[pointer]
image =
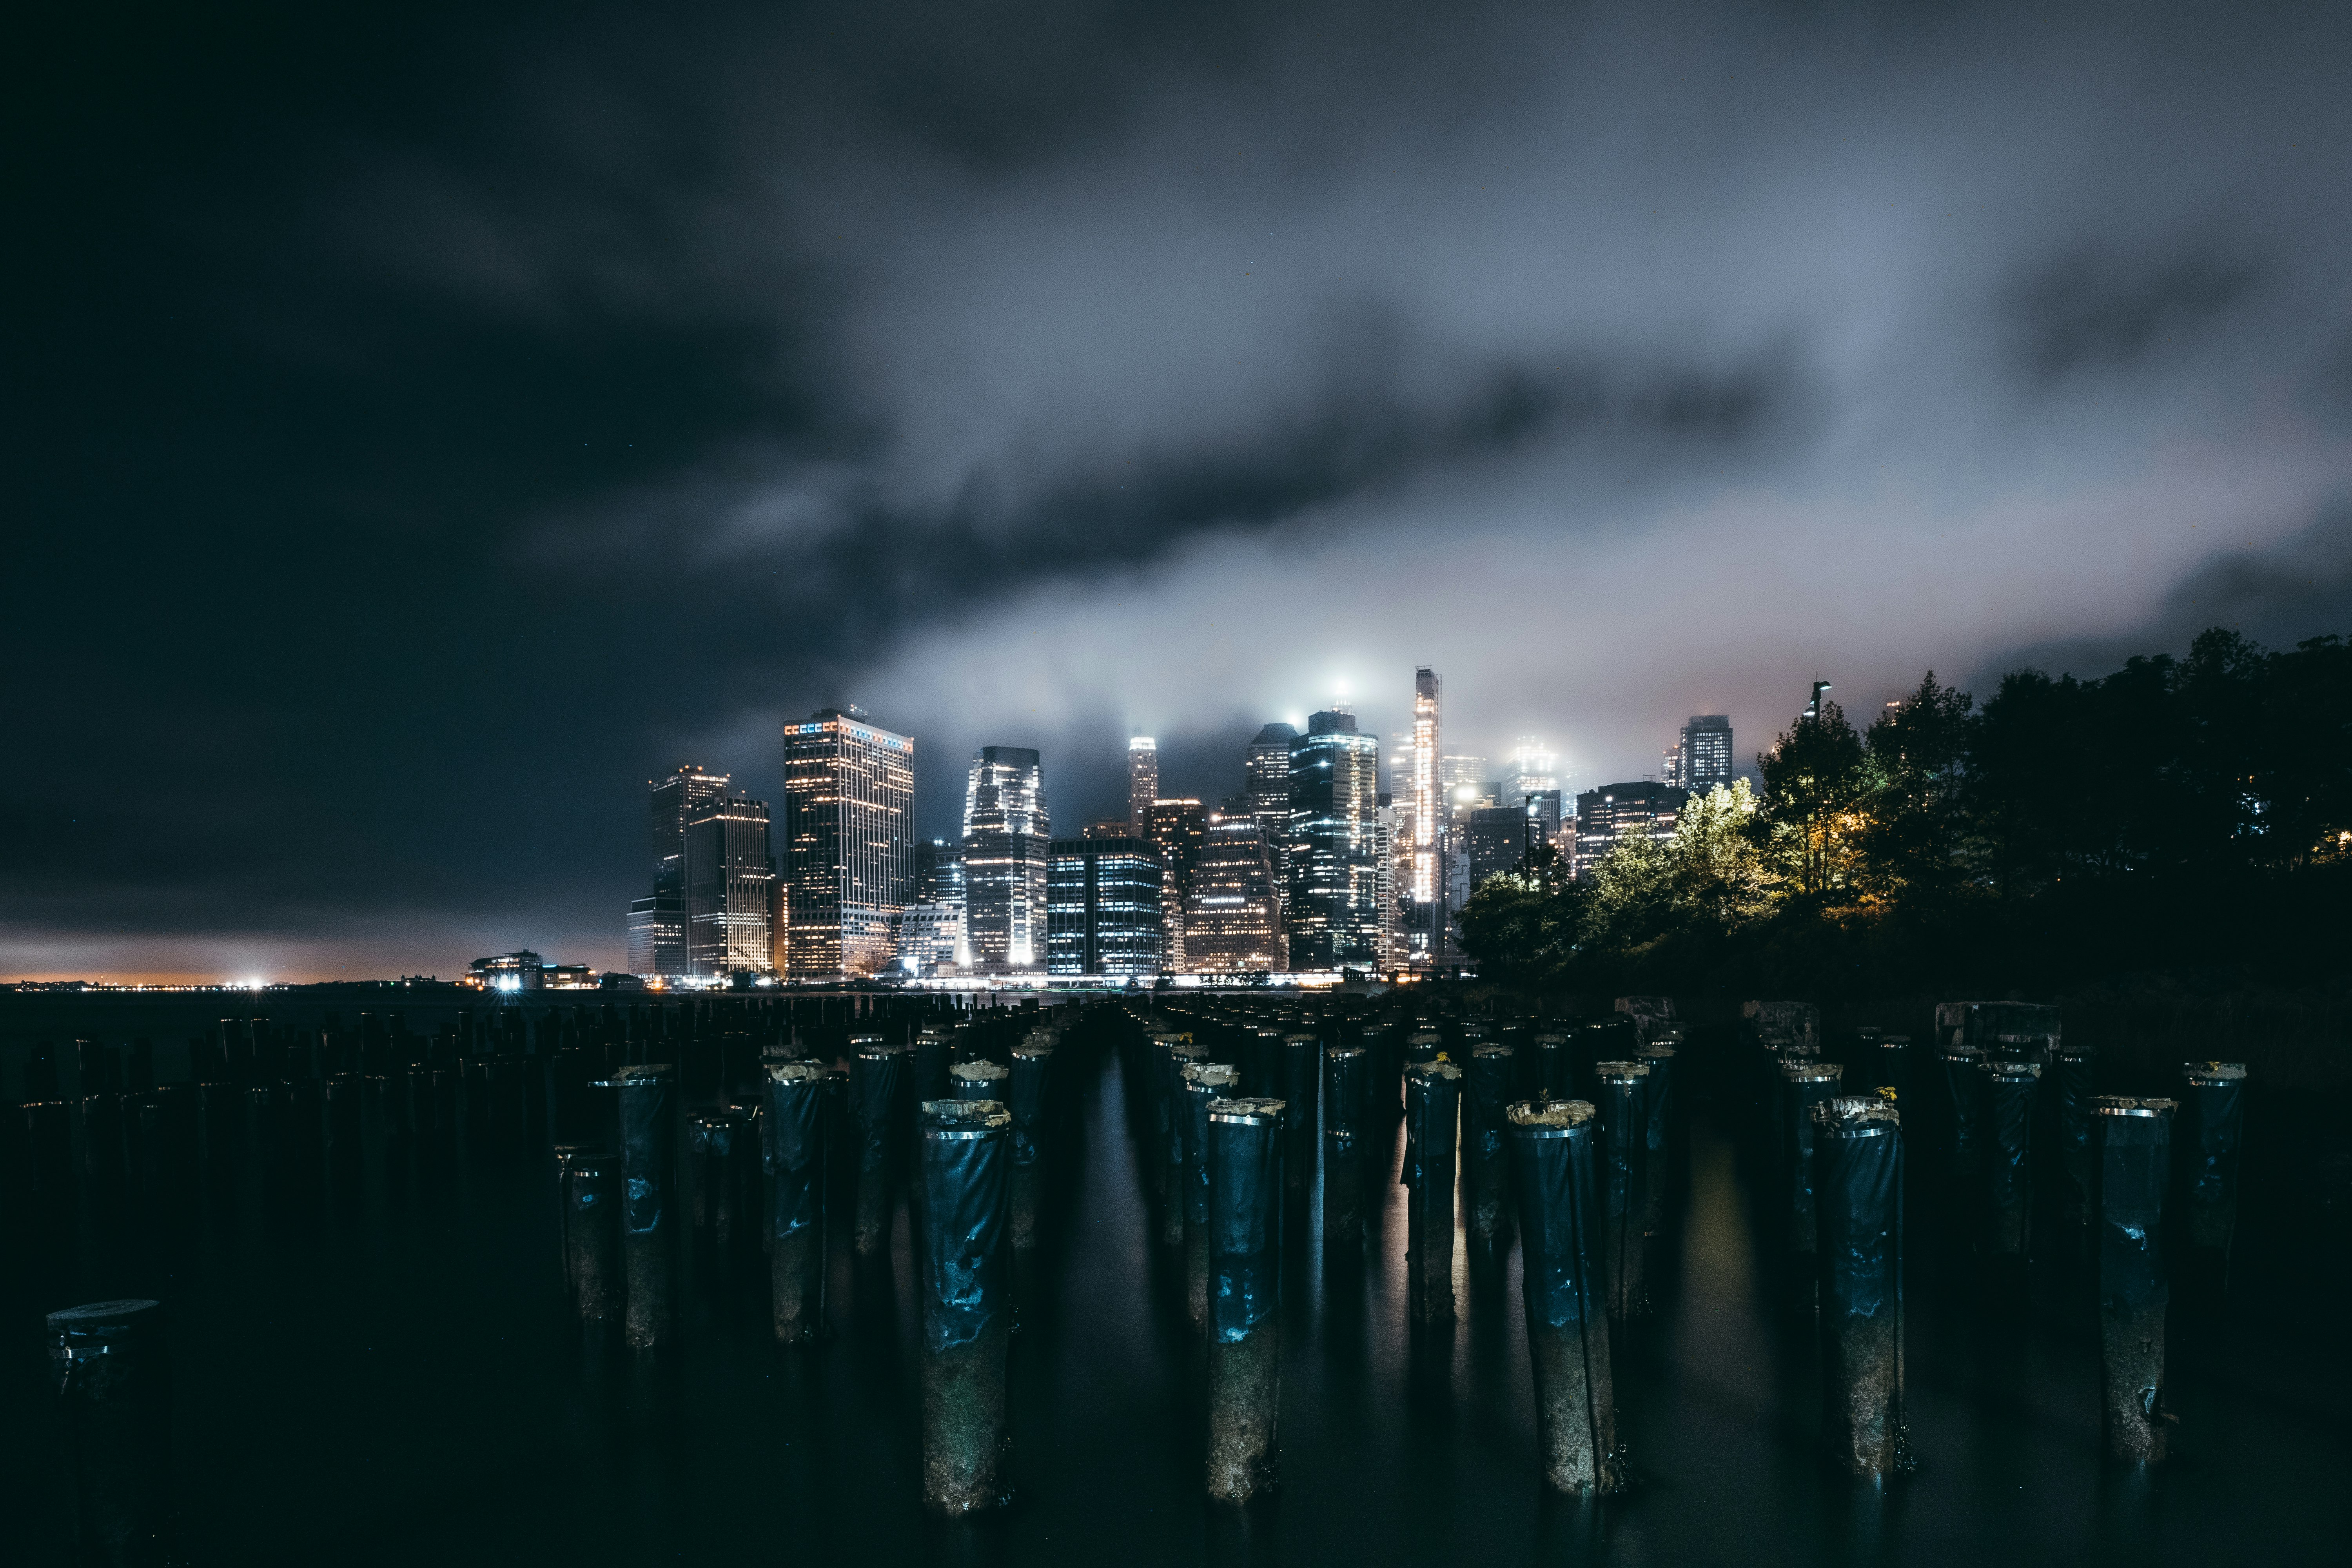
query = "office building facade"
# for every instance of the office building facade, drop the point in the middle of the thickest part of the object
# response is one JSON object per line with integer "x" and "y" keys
{"x": 1265, "y": 780}
{"x": 658, "y": 923}
{"x": 730, "y": 887}
{"x": 1623, "y": 810}
{"x": 1701, "y": 756}
{"x": 1232, "y": 920}
{"x": 848, "y": 855}
{"x": 1534, "y": 768}
{"x": 1334, "y": 914}
{"x": 1007, "y": 847}
{"x": 1105, "y": 907}
{"x": 1496, "y": 839}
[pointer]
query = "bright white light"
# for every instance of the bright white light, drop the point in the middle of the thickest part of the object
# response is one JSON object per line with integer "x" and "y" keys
{"x": 510, "y": 982}
{"x": 253, "y": 982}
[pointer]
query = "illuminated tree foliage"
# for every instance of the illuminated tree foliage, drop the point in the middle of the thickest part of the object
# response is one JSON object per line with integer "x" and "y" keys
{"x": 2189, "y": 815}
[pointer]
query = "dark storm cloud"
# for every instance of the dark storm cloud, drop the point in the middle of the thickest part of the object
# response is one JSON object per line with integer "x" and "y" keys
{"x": 430, "y": 423}
{"x": 2092, "y": 313}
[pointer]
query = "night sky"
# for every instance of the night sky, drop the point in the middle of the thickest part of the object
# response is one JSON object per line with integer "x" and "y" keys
{"x": 428, "y": 424}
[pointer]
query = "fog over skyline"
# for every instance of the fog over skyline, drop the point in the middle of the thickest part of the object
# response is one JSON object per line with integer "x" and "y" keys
{"x": 432, "y": 425}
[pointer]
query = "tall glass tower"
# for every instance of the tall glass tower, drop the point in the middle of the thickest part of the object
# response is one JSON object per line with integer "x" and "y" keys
{"x": 849, "y": 863}
{"x": 1142, "y": 782}
{"x": 728, "y": 883}
{"x": 1334, "y": 881}
{"x": 1422, "y": 818}
{"x": 1007, "y": 848}
{"x": 1703, "y": 760}
{"x": 658, "y": 942}
{"x": 1267, "y": 782}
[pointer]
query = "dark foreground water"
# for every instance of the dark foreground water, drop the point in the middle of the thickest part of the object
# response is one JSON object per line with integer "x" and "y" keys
{"x": 389, "y": 1376}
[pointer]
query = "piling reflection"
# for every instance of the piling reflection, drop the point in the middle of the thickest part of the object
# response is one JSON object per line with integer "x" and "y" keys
{"x": 1759, "y": 1373}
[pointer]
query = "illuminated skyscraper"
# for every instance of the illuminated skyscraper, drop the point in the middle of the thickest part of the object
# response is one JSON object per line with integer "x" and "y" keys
{"x": 1419, "y": 839}
{"x": 1177, "y": 828}
{"x": 730, "y": 879}
{"x": 848, "y": 851}
{"x": 1142, "y": 781}
{"x": 1007, "y": 846}
{"x": 1266, "y": 781}
{"x": 1232, "y": 922}
{"x": 931, "y": 931}
{"x": 1533, "y": 769}
{"x": 1468, "y": 785}
{"x": 1334, "y": 916}
{"x": 1104, "y": 907}
{"x": 657, "y": 924}
{"x": 1701, "y": 759}
{"x": 1617, "y": 811}
{"x": 1424, "y": 810}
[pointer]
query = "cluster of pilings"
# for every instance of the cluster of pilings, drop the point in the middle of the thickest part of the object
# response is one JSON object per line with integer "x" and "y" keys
{"x": 678, "y": 1133}
{"x": 2024, "y": 1164}
{"x": 946, "y": 1118}
{"x": 800, "y": 1132}
{"x": 1561, "y": 1136}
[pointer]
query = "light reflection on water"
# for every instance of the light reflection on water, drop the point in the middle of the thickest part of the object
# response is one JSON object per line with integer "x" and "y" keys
{"x": 391, "y": 1379}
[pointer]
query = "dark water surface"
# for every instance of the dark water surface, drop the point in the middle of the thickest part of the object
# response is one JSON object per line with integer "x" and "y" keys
{"x": 389, "y": 1376}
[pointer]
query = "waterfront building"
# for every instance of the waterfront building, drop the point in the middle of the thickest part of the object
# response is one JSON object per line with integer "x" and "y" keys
{"x": 930, "y": 939}
{"x": 1232, "y": 920}
{"x": 1178, "y": 827}
{"x": 1334, "y": 915}
{"x": 1007, "y": 844}
{"x": 1617, "y": 811}
{"x": 730, "y": 883}
{"x": 1266, "y": 781}
{"x": 656, "y": 924}
{"x": 848, "y": 844}
{"x": 1105, "y": 910}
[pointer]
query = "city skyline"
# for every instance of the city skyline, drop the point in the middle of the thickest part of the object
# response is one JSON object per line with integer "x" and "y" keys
{"x": 395, "y": 443}
{"x": 1355, "y": 875}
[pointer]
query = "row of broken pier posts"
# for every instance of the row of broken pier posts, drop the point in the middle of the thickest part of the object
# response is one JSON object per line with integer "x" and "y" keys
{"x": 813, "y": 1144}
{"x": 1566, "y": 1134}
{"x": 707, "y": 1113}
{"x": 1232, "y": 1100}
{"x": 2029, "y": 1163}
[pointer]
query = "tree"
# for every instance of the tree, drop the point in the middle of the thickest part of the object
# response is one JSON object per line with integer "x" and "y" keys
{"x": 1814, "y": 785}
{"x": 1524, "y": 928}
{"x": 1917, "y": 840}
{"x": 1715, "y": 872}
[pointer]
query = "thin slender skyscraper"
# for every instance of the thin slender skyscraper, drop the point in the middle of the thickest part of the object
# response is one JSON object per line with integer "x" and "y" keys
{"x": 849, "y": 862}
{"x": 1424, "y": 815}
{"x": 1142, "y": 782}
{"x": 1007, "y": 851}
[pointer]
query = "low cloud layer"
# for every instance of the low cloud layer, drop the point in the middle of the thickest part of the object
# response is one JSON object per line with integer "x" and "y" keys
{"x": 418, "y": 469}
